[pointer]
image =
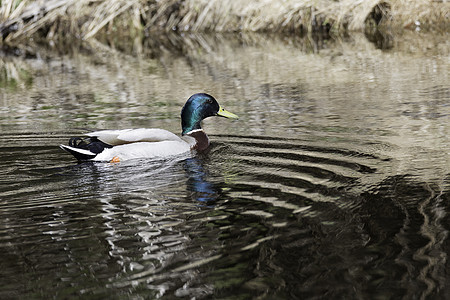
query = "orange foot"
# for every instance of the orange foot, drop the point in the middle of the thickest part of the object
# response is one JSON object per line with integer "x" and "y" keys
{"x": 115, "y": 159}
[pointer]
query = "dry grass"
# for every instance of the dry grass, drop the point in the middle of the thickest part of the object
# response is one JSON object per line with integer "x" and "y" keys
{"x": 275, "y": 15}
{"x": 291, "y": 15}
{"x": 53, "y": 19}
{"x": 430, "y": 14}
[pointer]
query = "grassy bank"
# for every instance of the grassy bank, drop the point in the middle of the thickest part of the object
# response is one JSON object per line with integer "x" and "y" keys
{"x": 55, "y": 19}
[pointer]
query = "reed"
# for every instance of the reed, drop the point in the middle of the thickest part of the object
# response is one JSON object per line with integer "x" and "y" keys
{"x": 55, "y": 19}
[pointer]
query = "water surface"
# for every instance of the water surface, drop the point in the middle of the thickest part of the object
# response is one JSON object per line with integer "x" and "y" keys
{"x": 334, "y": 183}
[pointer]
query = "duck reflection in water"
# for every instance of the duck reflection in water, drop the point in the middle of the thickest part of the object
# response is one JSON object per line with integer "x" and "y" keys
{"x": 157, "y": 178}
{"x": 197, "y": 183}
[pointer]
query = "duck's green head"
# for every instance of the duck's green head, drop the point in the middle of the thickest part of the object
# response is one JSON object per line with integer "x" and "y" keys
{"x": 198, "y": 107}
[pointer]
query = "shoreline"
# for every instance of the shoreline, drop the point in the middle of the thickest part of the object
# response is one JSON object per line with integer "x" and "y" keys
{"x": 56, "y": 20}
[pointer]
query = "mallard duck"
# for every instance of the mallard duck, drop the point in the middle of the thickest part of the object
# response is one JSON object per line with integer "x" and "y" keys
{"x": 119, "y": 145}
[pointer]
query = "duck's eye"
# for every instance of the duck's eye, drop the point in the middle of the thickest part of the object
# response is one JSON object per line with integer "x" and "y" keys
{"x": 209, "y": 101}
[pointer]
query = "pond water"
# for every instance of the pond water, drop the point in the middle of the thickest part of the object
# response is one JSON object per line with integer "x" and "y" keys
{"x": 334, "y": 183}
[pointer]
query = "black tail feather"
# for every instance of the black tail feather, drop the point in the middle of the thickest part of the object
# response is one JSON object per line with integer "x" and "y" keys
{"x": 85, "y": 148}
{"x": 92, "y": 144}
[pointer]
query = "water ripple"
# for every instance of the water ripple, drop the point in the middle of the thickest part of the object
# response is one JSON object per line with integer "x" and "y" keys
{"x": 254, "y": 213}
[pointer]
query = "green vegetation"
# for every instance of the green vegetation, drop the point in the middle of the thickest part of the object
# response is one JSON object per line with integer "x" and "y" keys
{"x": 57, "y": 19}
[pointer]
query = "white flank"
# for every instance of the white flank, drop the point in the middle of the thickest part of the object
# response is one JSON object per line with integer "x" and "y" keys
{"x": 144, "y": 150}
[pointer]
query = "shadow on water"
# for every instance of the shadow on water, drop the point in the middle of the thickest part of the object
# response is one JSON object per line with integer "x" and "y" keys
{"x": 334, "y": 183}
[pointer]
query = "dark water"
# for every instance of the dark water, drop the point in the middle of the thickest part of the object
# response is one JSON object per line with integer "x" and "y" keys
{"x": 333, "y": 184}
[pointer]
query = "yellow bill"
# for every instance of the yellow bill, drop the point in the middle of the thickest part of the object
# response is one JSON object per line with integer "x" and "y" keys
{"x": 224, "y": 113}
